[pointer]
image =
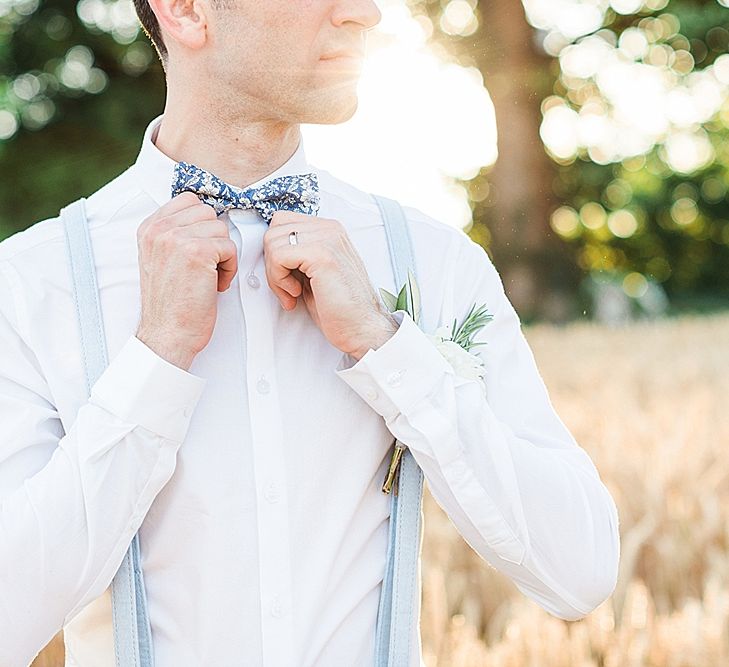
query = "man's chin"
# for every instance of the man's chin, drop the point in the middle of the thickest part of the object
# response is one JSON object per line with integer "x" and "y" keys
{"x": 332, "y": 114}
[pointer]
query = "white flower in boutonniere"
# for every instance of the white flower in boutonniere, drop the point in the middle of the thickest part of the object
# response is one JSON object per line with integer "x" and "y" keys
{"x": 464, "y": 363}
{"x": 454, "y": 343}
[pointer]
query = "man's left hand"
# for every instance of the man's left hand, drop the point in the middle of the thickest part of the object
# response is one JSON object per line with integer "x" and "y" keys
{"x": 327, "y": 272}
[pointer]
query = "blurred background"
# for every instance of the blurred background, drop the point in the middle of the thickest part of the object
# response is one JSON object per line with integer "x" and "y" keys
{"x": 583, "y": 143}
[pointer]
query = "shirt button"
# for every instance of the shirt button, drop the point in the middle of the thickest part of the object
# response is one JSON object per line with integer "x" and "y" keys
{"x": 371, "y": 393}
{"x": 253, "y": 281}
{"x": 263, "y": 385}
{"x": 394, "y": 378}
{"x": 272, "y": 495}
{"x": 276, "y": 607}
{"x": 187, "y": 411}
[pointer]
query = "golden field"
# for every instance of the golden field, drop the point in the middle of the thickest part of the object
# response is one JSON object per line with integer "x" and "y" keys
{"x": 646, "y": 401}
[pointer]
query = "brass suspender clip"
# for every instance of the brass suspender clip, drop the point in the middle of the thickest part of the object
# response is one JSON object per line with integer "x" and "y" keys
{"x": 393, "y": 468}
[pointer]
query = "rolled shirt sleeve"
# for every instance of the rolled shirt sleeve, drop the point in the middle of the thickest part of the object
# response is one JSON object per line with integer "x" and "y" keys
{"x": 70, "y": 503}
{"x": 501, "y": 464}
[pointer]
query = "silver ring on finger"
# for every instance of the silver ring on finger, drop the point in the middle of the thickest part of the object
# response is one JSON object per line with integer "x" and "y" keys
{"x": 293, "y": 238}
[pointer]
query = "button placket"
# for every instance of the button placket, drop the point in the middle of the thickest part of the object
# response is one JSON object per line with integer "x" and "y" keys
{"x": 269, "y": 470}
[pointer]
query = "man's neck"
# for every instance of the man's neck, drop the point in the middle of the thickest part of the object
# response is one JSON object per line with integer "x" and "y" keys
{"x": 239, "y": 153}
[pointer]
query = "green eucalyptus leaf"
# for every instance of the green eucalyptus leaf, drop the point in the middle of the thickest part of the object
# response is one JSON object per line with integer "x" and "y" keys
{"x": 409, "y": 287}
{"x": 402, "y": 299}
{"x": 389, "y": 299}
{"x": 414, "y": 296}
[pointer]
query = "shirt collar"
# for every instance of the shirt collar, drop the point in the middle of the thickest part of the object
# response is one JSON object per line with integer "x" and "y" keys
{"x": 155, "y": 169}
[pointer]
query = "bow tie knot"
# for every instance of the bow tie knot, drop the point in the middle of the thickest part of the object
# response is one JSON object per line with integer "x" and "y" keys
{"x": 297, "y": 192}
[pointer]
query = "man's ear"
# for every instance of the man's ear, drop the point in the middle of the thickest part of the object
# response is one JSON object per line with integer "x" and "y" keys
{"x": 183, "y": 22}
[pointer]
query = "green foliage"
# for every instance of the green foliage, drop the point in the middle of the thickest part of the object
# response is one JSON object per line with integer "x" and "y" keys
{"x": 476, "y": 319}
{"x": 79, "y": 81}
{"x": 407, "y": 299}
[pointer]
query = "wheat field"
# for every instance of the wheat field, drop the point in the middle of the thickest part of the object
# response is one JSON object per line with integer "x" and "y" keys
{"x": 646, "y": 401}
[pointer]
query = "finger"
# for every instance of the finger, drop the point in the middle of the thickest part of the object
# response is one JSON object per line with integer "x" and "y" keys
{"x": 291, "y": 285}
{"x": 312, "y": 235}
{"x": 282, "y": 282}
{"x": 185, "y": 201}
{"x": 188, "y": 216}
{"x": 227, "y": 261}
{"x": 207, "y": 228}
{"x": 279, "y": 270}
{"x": 287, "y": 301}
{"x": 191, "y": 223}
{"x": 194, "y": 229}
{"x": 180, "y": 202}
{"x": 283, "y": 217}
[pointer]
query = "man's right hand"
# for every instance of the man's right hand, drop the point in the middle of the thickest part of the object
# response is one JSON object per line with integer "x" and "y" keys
{"x": 186, "y": 256}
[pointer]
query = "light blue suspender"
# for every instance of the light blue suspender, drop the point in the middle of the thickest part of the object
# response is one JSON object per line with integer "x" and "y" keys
{"x": 399, "y": 587}
{"x": 132, "y": 631}
{"x": 398, "y": 603}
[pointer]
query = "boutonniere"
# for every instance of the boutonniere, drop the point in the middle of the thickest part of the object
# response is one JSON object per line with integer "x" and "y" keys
{"x": 453, "y": 342}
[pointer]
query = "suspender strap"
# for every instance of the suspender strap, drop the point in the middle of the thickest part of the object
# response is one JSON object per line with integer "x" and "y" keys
{"x": 132, "y": 631}
{"x": 398, "y": 603}
{"x": 83, "y": 275}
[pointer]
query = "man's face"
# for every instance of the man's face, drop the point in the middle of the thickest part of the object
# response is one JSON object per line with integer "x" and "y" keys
{"x": 267, "y": 57}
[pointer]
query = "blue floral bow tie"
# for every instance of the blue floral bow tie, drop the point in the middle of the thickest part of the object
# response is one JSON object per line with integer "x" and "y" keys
{"x": 298, "y": 193}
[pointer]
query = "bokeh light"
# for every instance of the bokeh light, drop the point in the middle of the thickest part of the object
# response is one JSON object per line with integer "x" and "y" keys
{"x": 624, "y": 95}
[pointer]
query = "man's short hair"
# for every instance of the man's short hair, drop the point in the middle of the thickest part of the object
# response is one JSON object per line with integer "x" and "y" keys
{"x": 150, "y": 25}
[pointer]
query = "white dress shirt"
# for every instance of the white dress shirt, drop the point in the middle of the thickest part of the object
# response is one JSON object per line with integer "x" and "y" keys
{"x": 255, "y": 477}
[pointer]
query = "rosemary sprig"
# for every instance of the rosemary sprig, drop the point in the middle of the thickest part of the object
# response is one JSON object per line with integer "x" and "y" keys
{"x": 471, "y": 324}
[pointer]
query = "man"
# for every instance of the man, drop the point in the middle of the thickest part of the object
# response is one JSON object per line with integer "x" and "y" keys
{"x": 254, "y": 389}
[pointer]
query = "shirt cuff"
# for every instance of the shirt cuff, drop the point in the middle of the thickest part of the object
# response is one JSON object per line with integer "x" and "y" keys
{"x": 140, "y": 387}
{"x": 398, "y": 374}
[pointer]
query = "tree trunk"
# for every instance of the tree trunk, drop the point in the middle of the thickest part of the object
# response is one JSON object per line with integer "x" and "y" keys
{"x": 538, "y": 268}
